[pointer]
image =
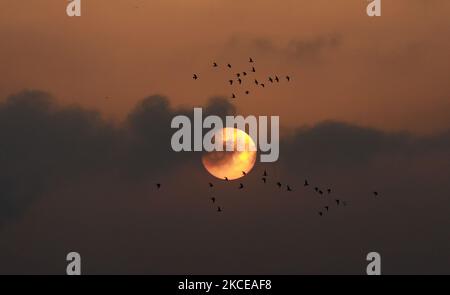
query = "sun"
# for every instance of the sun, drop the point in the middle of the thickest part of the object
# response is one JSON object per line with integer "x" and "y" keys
{"x": 231, "y": 164}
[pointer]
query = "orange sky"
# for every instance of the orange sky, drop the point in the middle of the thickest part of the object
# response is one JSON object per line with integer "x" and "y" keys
{"x": 389, "y": 72}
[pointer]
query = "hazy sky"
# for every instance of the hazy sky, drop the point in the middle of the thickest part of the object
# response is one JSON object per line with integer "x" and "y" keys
{"x": 389, "y": 72}
{"x": 80, "y": 156}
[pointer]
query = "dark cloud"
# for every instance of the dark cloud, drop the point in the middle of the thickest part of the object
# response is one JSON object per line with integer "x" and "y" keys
{"x": 312, "y": 48}
{"x": 305, "y": 50}
{"x": 41, "y": 141}
{"x": 336, "y": 144}
{"x": 71, "y": 180}
{"x": 44, "y": 143}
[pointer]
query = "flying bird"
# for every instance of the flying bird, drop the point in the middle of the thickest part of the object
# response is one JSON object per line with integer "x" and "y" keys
{"x": 238, "y": 75}
{"x": 215, "y": 65}
{"x": 256, "y": 82}
{"x": 321, "y": 192}
{"x": 289, "y": 189}
{"x": 338, "y": 201}
{"x": 213, "y": 200}
{"x": 270, "y": 80}
{"x": 229, "y": 65}
{"x": 329, "y": 191}
{"x": 263, "y": 85}
{"x": 376, "y": 194}
{"x": 244, "y": 73}
{"x": 240, "y": 81}
{"x": 219, "y": 209}
{"x": 158, "y": 185}
{"x": 279, "y": 184}
{"x": 211, "y": 185}
{"x": 251, "y": 60}
{"x": 288, "y": 78}
{"x": 326, "y": 207}
{"x": 195, "y": 77}
{"x": 247, "y": 92}
{"x": 241, "y": 186}
{"x": 320, "y": 213}
{"x": 316, "y": 189}
{"x": 277, "y": 79}
{"x": 226, "y": 178}
{"x": 233, "y": 96}
{"x": 306, "y": 182}
{"x": 265, "y": 173}
{"x": 264, "y": 179}
{"x": 244, "y": 173}
{"x": 231, "y": 82}
{"x": 253, "y": 70}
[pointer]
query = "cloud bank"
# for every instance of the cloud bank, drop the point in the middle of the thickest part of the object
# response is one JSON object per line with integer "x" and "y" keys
{"x": 71, "y": 180}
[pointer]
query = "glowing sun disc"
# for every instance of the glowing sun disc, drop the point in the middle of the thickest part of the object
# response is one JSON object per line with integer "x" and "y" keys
{"x": 231, "y": 164}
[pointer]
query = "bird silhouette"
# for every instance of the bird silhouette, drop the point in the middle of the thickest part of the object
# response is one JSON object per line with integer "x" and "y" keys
{"x": 376, "y": 194}
{"x": 251, "y": 60}
{"x": 256, "y": 82}
{"x": 244, "y": 73}
{"x": 263, "y": 85}
{"x": 316, "y": 189}
{"x": 238, "y": 75}
{"x": 233, "y": 96}
{"x": 277, "y": 79}
{"x": 264, "y": 179}
{"x": 244, "y": 173}
{"x": 241, "y": 186}
{"x": 158, "y": 185}
{"x": 211, "y": 185}
{"x": 229, "y": 65}
{"x": 306, "y": 182}
{"x": 329, "y": 191}
{"x": 215, "y": 65}
{"x": 253, "y": 70}
{"x": 288, "y": 78}
{"x": 195, "y": 77}
{"x": 321, "y": 192}
{"x": 247, "y": 92}
{"x": 327, "y": 208}
{"x": 320, "y": 213}
{"x": 289, "y": 189}
{"x": 226, "y": 178}
{"x": 338, "y": 201}
{"x": 240, "y": 81}
{"x": 279, "y": 184}
{"x": 270, "y": 80}
{"x": 219, "y": 209}
{"x": 213, "y": 200}
{"x": 265, "y": 173}
{"x": 231, "y": 82}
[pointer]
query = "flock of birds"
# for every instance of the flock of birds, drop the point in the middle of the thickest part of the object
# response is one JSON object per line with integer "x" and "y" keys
{"x": 264, "y": 179}
{"x": 242, "y": 78}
